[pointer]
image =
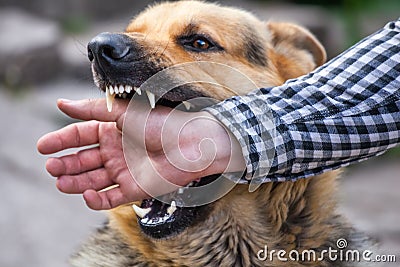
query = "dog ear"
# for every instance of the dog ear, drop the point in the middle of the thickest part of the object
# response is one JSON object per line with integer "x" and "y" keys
{"x": 296, "y": 48}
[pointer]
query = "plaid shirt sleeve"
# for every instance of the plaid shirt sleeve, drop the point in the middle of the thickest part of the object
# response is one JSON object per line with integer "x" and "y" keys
{"x": 345, "y": 111}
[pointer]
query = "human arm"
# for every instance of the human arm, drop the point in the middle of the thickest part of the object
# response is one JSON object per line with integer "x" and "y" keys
{"x": 343, "y": 112}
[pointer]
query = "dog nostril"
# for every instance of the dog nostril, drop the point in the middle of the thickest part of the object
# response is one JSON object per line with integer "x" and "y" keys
{"x": 90, "y": 55}
{"x": 115, "y": 52}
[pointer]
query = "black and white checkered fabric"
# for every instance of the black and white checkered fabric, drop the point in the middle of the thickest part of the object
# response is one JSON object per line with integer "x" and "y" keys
{"x": 345, "y": 111}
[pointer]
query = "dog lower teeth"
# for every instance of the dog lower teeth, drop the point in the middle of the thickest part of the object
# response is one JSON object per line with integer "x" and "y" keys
{"x": 146, "y": 218}
{"x": 172, "y": 208}
{"x": 155, "y": 221}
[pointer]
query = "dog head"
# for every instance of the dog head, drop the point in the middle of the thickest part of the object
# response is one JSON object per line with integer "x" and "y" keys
{"x": 175, "y": 33}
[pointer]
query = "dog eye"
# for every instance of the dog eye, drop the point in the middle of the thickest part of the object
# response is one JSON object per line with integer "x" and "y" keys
{"x": 201, "y": 44}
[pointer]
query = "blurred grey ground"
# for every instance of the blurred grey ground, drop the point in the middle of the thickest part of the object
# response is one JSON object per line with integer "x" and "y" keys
{"x": 39, "y": 63}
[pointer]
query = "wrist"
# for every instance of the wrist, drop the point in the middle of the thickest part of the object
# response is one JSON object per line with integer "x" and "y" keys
{"x": 225, "y": 153}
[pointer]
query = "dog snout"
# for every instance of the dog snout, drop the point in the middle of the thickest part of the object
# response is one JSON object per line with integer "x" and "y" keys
{"x": 109, "y": 49}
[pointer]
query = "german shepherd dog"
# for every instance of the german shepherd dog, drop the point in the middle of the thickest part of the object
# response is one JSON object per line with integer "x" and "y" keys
{"x": 235, "y": 230}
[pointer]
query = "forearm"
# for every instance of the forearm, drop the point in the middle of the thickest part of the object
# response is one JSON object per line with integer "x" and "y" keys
{"x": 343, "y": 112}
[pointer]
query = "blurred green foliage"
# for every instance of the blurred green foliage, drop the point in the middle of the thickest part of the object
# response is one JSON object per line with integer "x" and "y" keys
{"x": 74, "y": 24}
{"x": 352, "y": 13}
{"x": 394, "y": 153}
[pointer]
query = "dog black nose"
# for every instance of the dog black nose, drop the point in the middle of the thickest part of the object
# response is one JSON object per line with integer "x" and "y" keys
{"x": 108, "y": 48}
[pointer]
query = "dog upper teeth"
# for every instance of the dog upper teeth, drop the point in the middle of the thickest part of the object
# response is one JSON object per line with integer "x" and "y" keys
{"x": 140, "y": 212}
{"x": 187, "y": 105}
{"x": 121, "y": 91}
{"x": 152, "y": 99}
{"x": 172, "y": 208}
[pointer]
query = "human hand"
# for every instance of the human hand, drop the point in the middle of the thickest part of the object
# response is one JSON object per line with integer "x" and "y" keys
{"x": 179, "y": 160}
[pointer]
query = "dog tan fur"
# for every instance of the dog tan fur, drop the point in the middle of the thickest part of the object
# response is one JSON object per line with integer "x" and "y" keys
{"x": 291, "y": 215}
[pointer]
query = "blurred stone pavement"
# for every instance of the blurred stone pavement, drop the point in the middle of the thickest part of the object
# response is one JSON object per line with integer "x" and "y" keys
{"x": 41, "y": 227}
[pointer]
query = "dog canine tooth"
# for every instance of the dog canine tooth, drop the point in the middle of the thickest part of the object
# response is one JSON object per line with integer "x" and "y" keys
{"x": 152, "y": 99}
{"x": 140, "y": 212}
{"x": 187, "y": 105}
{"x": 172, "y": 208}
{"x": 109, "y": 98}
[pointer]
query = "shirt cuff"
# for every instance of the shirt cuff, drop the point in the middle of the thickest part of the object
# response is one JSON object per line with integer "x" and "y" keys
{"x": 251, "y": 121}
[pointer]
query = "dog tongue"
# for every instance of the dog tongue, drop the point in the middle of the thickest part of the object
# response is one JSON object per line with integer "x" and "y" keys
{"x": 109, "y": 99}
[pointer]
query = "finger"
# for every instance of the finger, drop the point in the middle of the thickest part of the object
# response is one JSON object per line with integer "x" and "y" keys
{"x": 74, "y": 135}
{"x": 105, "y": 200}
{"x": 126, "y": 192}
{"x": 94, "y": 109}
{"x": 82, "y": 161}
{"x": 77, "y": 184}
